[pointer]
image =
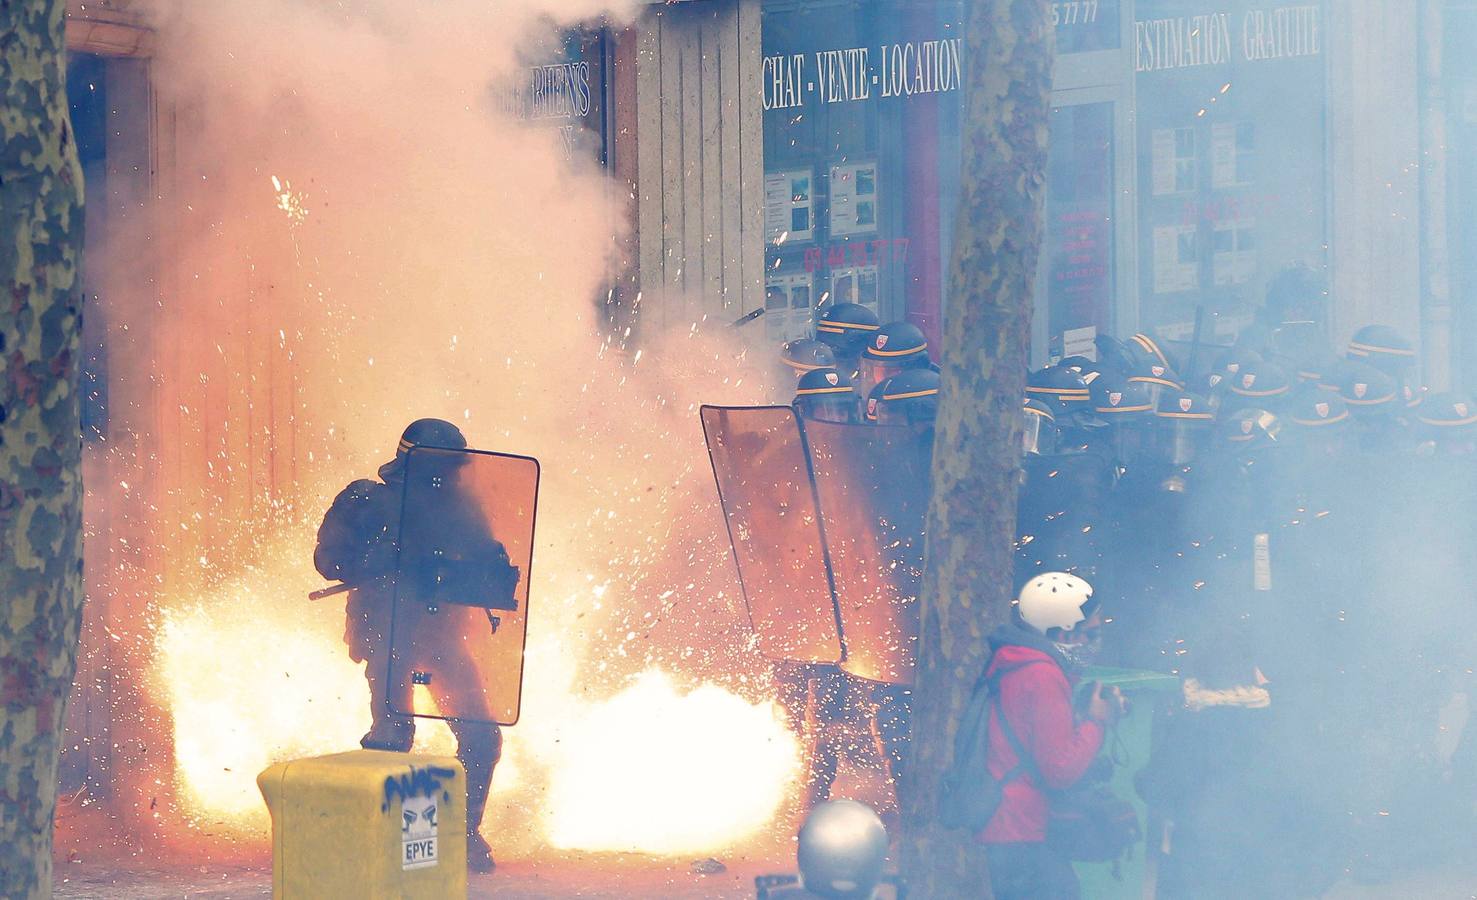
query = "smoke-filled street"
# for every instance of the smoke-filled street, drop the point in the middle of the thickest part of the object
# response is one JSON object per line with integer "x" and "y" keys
{"x": 738, "y": 448}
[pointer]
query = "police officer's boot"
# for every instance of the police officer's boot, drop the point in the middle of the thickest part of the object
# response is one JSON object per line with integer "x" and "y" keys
{"x": 479, "y": 745}
{"x": 388, "y": 731}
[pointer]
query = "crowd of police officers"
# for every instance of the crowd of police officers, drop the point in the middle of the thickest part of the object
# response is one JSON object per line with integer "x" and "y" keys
{"x": 1273, "y": 521}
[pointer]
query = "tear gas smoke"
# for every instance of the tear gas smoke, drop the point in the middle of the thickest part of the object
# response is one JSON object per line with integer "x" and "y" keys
{"x": 360, "y": 236}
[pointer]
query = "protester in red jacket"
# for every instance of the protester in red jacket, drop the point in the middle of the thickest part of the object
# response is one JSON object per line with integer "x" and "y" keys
{"x": 1035, "y": 658}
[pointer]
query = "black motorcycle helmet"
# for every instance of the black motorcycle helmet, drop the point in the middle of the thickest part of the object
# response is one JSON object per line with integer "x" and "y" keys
{"x": 826, "y": 395}
{"x": 437, "y": 433}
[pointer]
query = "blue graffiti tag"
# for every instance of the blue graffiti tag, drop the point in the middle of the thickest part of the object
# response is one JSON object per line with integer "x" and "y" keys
{"x": 418, "y": 782}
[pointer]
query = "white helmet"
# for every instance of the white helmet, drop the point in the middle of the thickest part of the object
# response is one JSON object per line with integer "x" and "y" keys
{"x": 1054, "y": 600}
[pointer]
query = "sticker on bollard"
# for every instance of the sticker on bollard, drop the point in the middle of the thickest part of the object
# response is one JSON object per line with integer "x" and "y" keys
{"x": 418, "y": 832}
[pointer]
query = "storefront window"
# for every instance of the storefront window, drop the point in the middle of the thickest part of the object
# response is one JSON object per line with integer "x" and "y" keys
{"x": 862, "y": 102}
{"x": 1078, "y": 255}
{"x": 1231, "y": 187}
{"x": 861, "y": 148}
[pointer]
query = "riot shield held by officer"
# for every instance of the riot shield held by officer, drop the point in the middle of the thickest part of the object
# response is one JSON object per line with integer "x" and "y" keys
{"x": 402, "y": 588}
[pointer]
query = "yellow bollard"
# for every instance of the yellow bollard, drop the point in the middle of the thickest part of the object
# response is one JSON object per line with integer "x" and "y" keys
{"x": 367, "y": 825}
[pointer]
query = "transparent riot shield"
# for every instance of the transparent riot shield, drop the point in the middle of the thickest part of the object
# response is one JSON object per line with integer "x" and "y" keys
{"x": 769, "y": 505}
{"x": 873, "y": 484}
{"x": 461, "y": 585}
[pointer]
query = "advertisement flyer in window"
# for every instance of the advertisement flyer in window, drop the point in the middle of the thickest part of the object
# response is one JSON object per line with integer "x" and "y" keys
{"x": 788, "y": 206}
{"x": 853, "y": 199}
{"x": 1176, "y": 260}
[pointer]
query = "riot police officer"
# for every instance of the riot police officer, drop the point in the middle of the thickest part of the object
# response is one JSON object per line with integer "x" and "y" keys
{"x": 846, "y": 329}
{"x": 891, "y": 349}
{"x": 357, "y": 544}
{"x": 826, "y": 395}
{"x": 807, "y": 355}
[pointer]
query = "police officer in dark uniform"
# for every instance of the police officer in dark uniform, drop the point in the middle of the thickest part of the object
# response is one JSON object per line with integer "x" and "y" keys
{"x": 846, "y": 328}
{"x": 826, "y": 395}
{"x": 357, "y": 544}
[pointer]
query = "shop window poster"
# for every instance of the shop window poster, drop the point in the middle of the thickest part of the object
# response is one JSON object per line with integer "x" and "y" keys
{"x": 1176, "y": 259}
{"x": 1234, "y": 259}
{"x": 789, "y": 206}
{"x": 855, "y": 284}
{"x": 853, "y": 199}
{"x": 787, "y": 306}
{"x": 1173, "y": 161}
{"x": 1232, "y": 149}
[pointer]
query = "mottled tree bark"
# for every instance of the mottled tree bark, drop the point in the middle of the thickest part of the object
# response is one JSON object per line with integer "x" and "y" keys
{"x": 987, "y": 328}
{"x": 40, "y": 432}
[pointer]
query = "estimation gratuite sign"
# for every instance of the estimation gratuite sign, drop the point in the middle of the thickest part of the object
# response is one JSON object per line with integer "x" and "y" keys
{"x": 1217, "y": 38}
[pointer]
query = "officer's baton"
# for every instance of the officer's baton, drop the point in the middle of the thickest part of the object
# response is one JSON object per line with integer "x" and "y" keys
{"x": 748, "y": 317}
{"x": 330, "y": 591}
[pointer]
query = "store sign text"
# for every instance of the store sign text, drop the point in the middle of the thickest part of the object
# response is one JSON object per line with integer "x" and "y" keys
{"x": 1213, "y": 39}
{"x": 861, "y": 73}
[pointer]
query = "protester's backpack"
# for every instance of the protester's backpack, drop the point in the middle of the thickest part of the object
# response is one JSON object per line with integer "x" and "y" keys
{"x": 969, "y": 795}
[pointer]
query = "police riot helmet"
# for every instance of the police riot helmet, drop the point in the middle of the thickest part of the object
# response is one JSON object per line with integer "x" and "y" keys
{"x": 841, "y": 850}
{"x": 1300, "y": 349}
{"x": 1262, "y": 383}
{"x": 1369, "y": 392}
{"x": 845, "y": 327}
{"x": 891, "y": 349}
{"x": 1312, "y": 408}
{"x": 437, "y": 433}
{"x": 1384, "y": 348}
{"x": 1316, "y": 420}
{"x": 1146, "y": 350}
{"x": 1040, "y": 431}
{"x": 1113, "y": 354}
{"x": 1181, "y": 420}
{"x": 807, "y": 355}
{"x": 1077, "y": 364}
{"x": 1120, "y": 400}
{"x": 1448, "y": 421}
{"x": 1061, "y": 389}
{"x": 1240, "y": 358}
{"x": 909, "y": 397}
{"x": 1157, "y": 378}
{"x": 1055, "y": 600}
{"x": 826, "y": 395}
{"x": 1249, "y": 428}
